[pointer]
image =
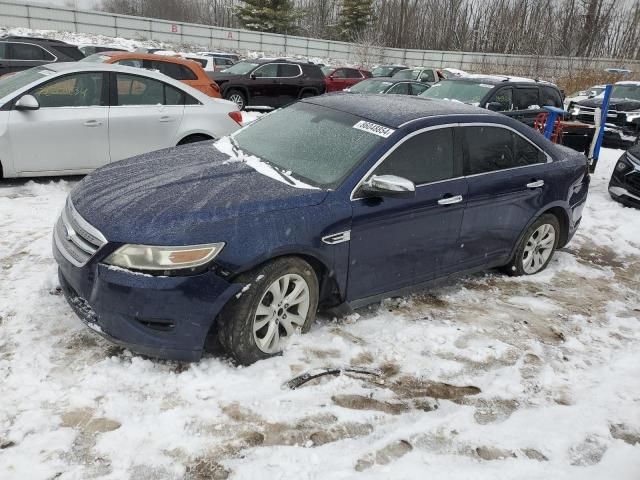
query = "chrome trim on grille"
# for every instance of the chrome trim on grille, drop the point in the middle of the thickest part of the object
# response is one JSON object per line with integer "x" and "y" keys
{"x": 619, "y": 192}
{"x": 76, "y": 239}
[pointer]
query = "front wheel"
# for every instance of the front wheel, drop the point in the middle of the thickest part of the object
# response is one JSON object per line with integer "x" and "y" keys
{"x": 280, "y": 300}
{"x": 536, "y": 247}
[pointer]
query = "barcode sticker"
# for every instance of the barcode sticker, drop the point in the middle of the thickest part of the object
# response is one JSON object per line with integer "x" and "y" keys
{"x": 384, "y": 132}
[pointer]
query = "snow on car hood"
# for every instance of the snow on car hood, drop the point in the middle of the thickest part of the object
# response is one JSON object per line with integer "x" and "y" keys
{"x": 158, "y": 196}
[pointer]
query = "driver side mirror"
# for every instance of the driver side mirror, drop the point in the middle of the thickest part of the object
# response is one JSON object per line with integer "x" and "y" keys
{"x": 252, "y": 76}
{"x": 388, "y": 186}
{"x": 494, "y": 106}
{"x": 27, "y": 102}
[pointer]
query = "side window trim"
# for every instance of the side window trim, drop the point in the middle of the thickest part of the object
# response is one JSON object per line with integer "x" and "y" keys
{"x": 505, "y": 127}
{"x": 457, "y": 158}
{"x": 10, "y": 52}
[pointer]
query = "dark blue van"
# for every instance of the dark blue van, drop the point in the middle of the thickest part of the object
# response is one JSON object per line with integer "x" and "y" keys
{"x": 332, "y": 200}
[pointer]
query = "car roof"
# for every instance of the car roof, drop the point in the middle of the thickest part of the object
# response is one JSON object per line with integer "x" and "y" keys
{"x": 499, "y": 80}
{"x": 394, "y": 110}
{"x": 629, "y": 82}
{"x": 117, "y": 55}
{"x": 21, "y": 38}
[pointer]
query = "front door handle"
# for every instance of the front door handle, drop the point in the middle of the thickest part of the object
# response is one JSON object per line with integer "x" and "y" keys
{"x": 450, "y": 200}
{"x": 535, "y": 184}
{"x": 166, "y": 119}
{"x": 92, "y": 123}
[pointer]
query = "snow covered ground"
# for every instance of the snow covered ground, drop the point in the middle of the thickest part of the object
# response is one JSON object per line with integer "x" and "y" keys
{"x": 486, "y": 378}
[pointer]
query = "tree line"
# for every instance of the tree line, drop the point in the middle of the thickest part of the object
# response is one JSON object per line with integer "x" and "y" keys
{"x": 583, "y": 28}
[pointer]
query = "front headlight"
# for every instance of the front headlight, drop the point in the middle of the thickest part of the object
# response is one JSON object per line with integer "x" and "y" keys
{"x": 158, "y": 258}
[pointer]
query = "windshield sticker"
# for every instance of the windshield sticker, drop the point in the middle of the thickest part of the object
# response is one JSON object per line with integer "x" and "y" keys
{"x": 374, "y": 128}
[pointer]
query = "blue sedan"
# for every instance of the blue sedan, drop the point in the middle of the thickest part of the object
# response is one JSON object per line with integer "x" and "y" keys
{"x": 340, "y": 199}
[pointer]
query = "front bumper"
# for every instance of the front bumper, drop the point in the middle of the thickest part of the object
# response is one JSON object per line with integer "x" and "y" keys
{"x": 163, "y": 317}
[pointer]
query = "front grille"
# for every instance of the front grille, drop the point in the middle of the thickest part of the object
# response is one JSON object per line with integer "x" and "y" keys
{"x": 75, "y": 238}
{"x": 587, "y": 114}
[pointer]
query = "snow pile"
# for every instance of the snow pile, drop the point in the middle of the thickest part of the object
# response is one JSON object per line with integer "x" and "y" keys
{"x": 487, "y": 377}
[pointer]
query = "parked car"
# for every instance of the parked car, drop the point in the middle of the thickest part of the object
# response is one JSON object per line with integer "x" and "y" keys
{"x": 623, "y": 117}
{"x": 91, "y": 49}
{"x": 70, "y": 118}
{"x": 20, "y": 53}
{"x": 624, "y": 186}
{"x": 269, "y": 83}
{"x": 343, "y": 77}
{"x": 231, "y": 56}
{"x": 392, "y": 86}
{"x": 519, "y": 98}
{"x": 387, "y": 70}
{"x": 211, "y": 64}
{"x": 583, "y": 95}
{"x": 353, "y": 198}
{"x": 420, "y": 74}
{"x": 186, "y": 71}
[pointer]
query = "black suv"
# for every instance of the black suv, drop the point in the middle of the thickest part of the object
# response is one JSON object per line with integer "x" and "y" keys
{"x": 623, "y": 117}
{"x": 269, "y": 83}
{"x": 519, "y": 98}
{"x": 20, "y": 53}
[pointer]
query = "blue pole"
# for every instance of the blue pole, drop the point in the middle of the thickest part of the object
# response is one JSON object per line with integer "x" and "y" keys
{"x": 552, "y": 116}
{"x": 595, "y": 153}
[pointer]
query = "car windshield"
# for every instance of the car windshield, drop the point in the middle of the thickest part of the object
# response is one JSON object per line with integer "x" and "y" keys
{"x": 382, "y": 71}
{"x": 409, "y": 74}
{"x": 371, "y": 86}
{"x": 317, "y": 145}
{"x": 97, "y": 58}
{"x": 14, "y": 82}
{"x": 326, "y": 71}
{"x": 632, "y": 92}
{"x": 461, "y": 90}
{"x": 241, "y": 68}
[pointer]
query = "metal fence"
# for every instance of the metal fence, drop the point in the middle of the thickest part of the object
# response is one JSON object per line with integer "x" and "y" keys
{"x": 37, "y": 16}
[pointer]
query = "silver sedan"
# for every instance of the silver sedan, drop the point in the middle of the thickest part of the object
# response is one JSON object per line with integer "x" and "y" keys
{"x": 70, "y": 118}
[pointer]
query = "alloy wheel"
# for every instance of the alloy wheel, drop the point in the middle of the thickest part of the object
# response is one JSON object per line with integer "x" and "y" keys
{"x": 237, "y": 99}
{"x": 539, "y": 248}
{"x": 281, "y": 312}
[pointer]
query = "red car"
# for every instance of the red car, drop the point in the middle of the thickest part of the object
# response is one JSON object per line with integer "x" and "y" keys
{"x": 340, "y": 78}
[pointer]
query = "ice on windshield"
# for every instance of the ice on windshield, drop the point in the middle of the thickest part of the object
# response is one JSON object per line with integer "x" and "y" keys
{"x": 15, "y": 82}
{"x": 629, "y": 91}
{"x": 371, "y": 86}
{"x": 318, "y": 145}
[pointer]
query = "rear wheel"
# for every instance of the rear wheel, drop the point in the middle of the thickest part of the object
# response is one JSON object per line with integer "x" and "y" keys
{"x": 193, "y": 139}
{"x": 307, "y": 94}
{"x": 237, "y": 97}
{"x": 280, "y": 301}
{"x": 536, "y": 247}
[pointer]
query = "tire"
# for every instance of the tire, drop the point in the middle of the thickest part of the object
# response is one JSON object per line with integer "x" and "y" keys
{"x": 237, "y": 97}
{"x": 307, "y": 94}
{"x": 536, "y": 247}
{"x": 252, "y": 324}
{"x": 193, "y": 139}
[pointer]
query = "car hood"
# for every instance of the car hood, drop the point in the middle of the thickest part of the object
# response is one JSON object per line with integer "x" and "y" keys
{"x": 174, "y": 196}
{"x": 620, "y": 104}
{"x": 224, "y": 77}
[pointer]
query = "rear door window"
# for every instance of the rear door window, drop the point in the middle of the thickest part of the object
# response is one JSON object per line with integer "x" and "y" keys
{"x": 527, "y": 99}
{"x": 352, "y": 73}
{"x": 417, "y": 88}
{"x": 288, "y": 71}
{"x": 135, "y": 90}
{"x": 425, "y": 158}
{"x": 173, "y": 70}
{"x": 27, "y": 51}
{"x": 490, "y": 149}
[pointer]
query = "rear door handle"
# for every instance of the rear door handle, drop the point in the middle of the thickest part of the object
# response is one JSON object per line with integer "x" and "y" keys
{"x": 535, "y": 184}
{"x": 450, "y": 200}
{"x": 166, "y": 119}
{"x": 92, "y": 123}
